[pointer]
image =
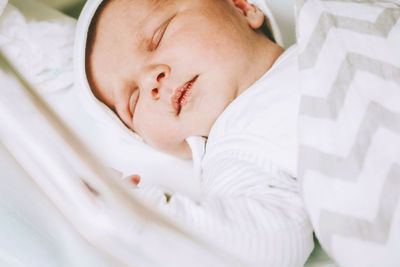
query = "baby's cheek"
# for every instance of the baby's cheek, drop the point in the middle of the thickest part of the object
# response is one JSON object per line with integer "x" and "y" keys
{"x": 197, "y": 49}
{"x": 213, "y": 51}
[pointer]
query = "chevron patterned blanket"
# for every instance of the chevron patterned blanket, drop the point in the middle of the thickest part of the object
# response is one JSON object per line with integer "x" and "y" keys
{"x": 349, "y": 127}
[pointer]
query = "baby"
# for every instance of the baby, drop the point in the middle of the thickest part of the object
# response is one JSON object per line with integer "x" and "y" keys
{"x": 173, "y": 69}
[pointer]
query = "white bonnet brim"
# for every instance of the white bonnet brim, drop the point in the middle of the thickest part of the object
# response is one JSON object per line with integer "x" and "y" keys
{"x": 95, "y": 107}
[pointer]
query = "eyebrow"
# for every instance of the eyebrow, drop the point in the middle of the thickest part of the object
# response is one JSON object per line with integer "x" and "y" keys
{"x": 157, "y": 6}
{"x": 161, "y": 3}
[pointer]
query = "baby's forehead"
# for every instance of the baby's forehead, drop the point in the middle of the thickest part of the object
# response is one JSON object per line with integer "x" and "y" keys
{"x": 127, "y": 7}
{"x": 118, "y": 15}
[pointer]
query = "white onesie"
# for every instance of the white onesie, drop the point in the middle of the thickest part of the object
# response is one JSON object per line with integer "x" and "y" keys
{"x": 251, "y": 204}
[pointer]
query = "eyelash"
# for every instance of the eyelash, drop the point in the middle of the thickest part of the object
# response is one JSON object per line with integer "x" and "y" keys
{"x": 158, "y": 36}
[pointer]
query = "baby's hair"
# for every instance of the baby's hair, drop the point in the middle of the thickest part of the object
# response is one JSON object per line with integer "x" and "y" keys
{"x": 266, "y": 28}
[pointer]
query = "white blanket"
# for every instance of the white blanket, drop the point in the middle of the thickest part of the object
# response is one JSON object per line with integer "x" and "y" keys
{"x": 349, "y": 158}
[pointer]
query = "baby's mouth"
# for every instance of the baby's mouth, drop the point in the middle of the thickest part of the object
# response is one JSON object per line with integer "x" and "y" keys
{"x": 182, "y": 95}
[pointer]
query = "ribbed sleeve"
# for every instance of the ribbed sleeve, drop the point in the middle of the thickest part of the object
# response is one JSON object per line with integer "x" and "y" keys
{"x": 254, "y": 215}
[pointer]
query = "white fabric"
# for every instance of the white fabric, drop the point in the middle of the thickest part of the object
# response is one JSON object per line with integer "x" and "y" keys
{"x": 266, "y": 115}
{"x": 39, "y": 42}
{"x": 349, "y": 127}
{"x": 3, "y": 4}
{"x": 250, "y": 203}
{"x": 32, "y": 230}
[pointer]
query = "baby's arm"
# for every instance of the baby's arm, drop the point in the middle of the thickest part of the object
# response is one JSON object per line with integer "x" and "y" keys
{"x": 256, "y": 215}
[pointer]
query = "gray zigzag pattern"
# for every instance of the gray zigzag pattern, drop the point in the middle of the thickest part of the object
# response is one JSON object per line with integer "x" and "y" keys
{"x": 330, "y": 107}
{"x": 300, "y": 3}
{"x": 376, "y": 231}
{"x": 348, "y": 168}
{"x": 381, "y": 27}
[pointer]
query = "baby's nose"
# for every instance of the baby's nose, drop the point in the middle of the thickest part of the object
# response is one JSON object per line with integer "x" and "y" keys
{"x": 155, "y": 92}
{"x": 153, "y": 79}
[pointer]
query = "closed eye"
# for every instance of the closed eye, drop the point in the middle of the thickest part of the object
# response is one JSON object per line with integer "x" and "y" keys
{"x": 133, "y": 102}
{"x": 159, "y": 34}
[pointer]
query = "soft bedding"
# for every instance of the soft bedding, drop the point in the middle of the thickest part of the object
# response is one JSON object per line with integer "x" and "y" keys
{"x": 349, "y": 128}
{"x": 39, "y": 41}
{"x": 32, "y": 231}
{"x": 28, "y": 25}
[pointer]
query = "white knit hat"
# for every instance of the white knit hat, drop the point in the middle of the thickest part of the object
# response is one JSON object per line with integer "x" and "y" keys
{"x": 98, "y": 109}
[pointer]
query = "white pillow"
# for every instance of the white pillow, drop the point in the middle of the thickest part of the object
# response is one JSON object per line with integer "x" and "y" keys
{"x": 349, "y": 160}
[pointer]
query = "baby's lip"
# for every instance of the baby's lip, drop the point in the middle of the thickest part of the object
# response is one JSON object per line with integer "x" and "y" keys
{"x": 182, "y": 94}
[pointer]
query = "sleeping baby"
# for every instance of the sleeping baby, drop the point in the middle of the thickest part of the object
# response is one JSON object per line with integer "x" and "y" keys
{"x": 175, "y": 69}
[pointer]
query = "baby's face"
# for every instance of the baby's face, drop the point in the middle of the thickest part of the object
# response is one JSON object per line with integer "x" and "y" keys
{"x": 169, "y": 68}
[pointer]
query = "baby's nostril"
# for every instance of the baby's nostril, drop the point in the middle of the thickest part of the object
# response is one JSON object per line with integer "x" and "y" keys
{"x": 154, "y": 92}
{"x": 160, "y": 76}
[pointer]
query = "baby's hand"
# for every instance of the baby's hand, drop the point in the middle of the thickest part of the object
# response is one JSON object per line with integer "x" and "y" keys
{"x": 133, "y": 178}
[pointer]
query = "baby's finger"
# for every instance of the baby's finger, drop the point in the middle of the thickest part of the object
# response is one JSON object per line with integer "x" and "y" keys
{"x": 134, "y": 178}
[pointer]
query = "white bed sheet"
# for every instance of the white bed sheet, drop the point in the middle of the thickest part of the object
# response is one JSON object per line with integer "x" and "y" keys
{"x": 32, "y": 231}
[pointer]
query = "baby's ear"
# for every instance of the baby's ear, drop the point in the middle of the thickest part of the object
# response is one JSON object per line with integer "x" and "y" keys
{"x": 254, "y": 15}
